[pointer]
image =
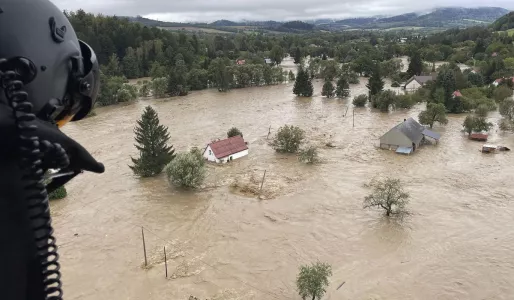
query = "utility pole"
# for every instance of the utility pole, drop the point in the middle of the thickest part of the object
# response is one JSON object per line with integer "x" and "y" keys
{"x": 353, "y": 121}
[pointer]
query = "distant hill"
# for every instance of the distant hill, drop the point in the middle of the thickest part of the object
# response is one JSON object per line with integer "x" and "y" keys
{"x": 400, "y": 18}
{"x": 447, "y": 17}
{"x": 504, "y": 23}
{"x": 225, "y": 23}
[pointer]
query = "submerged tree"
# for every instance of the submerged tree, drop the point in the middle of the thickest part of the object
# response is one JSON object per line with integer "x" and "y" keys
{"x": 152, "y": 139}
{"x": 360, "y": 101}
{"x": 234, "y": 132}
{"x": 476, "y": 124}
{"x": 415, "y": 64}
{"x": 303, "y": 85}
{"x": 343, "y": 88}
{"x": 312, "y": 280}
{"x": 435, "y": 112}
{"x": 58, "y": 193}
{"x": 297, "y": 56}
{"x": 288, "y": 139}
{"x": 291, "y": 75}
{"x": 389, "y": 196}
{"x": 328, "y": 89}
{"x": 309, "y": 155}
{"x": 375, "y": 83}
{"x": 187, "y": 169}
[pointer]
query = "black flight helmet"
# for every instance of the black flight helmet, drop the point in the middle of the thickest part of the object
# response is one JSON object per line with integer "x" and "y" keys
{"x": 60, "y": 73}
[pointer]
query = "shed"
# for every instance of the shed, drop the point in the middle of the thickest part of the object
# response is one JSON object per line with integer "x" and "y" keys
{"x": 226, "y": 150}
{"x": 415, "y": 82}
{"x": 406, "y": 136}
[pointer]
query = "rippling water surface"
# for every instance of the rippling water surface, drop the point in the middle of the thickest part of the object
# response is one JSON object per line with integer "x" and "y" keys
{"x": 457, "y": 244}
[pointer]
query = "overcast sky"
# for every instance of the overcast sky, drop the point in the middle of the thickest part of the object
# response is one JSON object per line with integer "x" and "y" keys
{"x": 278, "y": 10}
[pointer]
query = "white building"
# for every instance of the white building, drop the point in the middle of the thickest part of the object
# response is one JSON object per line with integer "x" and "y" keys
{"x": 226, "y": 150}
{"x": 415, "y": 82}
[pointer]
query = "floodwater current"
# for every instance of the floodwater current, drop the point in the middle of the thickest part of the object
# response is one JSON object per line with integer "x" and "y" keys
{"x": 225, "y": 243}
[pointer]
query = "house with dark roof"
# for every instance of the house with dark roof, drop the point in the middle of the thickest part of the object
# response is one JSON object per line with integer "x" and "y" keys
{"x": 415, "y": 82}
{"x": 223, "y": 151}
{"x": 406, "y": 137}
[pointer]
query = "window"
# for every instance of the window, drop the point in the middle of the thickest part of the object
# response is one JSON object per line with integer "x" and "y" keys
{"x": 210, "y": 152}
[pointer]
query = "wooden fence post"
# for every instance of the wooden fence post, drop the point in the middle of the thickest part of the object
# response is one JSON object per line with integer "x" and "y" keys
{"x": 144, "y": 245}
{"x": 262, "y": 182}
{"x": 269, "y": 131}
{"x": 165, "y": 262}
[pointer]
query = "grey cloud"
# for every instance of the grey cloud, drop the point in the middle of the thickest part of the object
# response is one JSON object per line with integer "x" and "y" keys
{"x": 209, "y": 10}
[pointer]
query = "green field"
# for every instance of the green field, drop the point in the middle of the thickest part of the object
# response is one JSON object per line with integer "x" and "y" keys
{"x": 511, "y": 32}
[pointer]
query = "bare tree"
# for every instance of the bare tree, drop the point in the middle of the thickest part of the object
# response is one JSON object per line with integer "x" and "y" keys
{"x": 388, "y": 195}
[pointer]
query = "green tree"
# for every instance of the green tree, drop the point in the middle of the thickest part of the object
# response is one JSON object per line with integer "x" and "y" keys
{"x": 297, "y": 56}
{"x": 501, "y": 93}
{"x": 476, "y": 124}
{"x": 59, "y": 193}
{"x": 303, "y": 85}
{"x": 324, "y": 57}
{"x": 152, "y": 139}
{"x": 415, "y": 64}
{"x": 312, "y": 280}
{"x": 187, "y": 170}
{"x": 475, "y": 79}
{"x": 328, "y": 89}
{"x": 109, "y": 92}
{"x": 404, "y": 101}
{"x": 507, "y": 109}
{"x": 375, "y": 82}
{"x": 360, "y": 101}
{"x": 435, "y": 112}
{"x": 388, "y": 195}
{"x": 288, "y": 139}
{"x": 158, "y": 71}
{"x": 127, "y": 93}
{"x": 159, "y": 87}
{"x": 130, "y": 64}
{"x": 277, "y": 54}
{"x": 113, "y": 66}
{"x": 384, "y": 100}
{"x": 329, "y": 69}
{"x": 220, "y": 73}
{"x": 343, "y": 88}
{"x": 144, "y": 89}
{"x": 291, "y": 75}
{"x": 234, "y": 132}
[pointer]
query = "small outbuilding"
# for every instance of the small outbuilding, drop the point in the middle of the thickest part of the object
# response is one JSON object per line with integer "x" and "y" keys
{"x": 415, "y": 82}
{"x": 406, "y": 137}
{"x": 226, "y": 150}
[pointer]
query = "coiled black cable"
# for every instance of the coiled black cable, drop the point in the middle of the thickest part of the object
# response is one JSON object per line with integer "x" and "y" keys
{"x": 32, "y": 151}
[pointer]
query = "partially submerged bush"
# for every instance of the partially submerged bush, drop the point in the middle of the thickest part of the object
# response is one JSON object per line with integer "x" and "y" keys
{"x": 187, "y": 169}
{"x": 360, "y": 101}
{"x": 288, "y": 139}
{"x": 234, "y": 132}
{"x": 309, "y": 155}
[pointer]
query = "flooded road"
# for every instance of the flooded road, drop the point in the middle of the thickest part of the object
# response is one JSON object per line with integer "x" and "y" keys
{"x": 457, "y": 244}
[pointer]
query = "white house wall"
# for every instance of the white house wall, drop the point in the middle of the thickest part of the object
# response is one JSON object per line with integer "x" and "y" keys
{"x": 209, "y": 155}
{"x": 394, "y": 139}
{"x": 235, "y": 155}
{"x": 412, "y": 86}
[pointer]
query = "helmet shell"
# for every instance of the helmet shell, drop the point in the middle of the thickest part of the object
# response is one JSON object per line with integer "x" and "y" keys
{"x": 38, "y": 31}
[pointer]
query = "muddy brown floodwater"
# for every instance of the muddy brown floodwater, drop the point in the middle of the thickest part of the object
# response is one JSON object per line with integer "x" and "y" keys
{"x": 223, "y": 244}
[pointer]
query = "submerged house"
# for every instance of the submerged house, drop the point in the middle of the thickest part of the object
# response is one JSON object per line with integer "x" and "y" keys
{"x": 406, "y": 137}
{"x": 415, "y": 82}
{"x": 223, "y": 151}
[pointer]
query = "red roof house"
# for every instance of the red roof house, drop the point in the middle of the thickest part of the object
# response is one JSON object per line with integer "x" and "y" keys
{"x": 226, "y": 150}
{"x": 457, "y": 93}
{"x": 240, "y": 61}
